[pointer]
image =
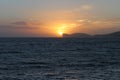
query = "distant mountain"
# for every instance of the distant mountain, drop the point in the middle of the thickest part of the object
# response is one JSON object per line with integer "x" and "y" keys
{"x": 77, "y": 35}
{"x": 114, "y": 34}
{"x": 84, "y": 35}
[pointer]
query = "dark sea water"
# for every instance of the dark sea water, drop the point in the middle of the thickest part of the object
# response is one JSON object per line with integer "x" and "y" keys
{"x": 59, "y": 59}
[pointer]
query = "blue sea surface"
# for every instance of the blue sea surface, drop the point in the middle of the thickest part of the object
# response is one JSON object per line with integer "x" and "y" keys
{"x": 59, "y": 59}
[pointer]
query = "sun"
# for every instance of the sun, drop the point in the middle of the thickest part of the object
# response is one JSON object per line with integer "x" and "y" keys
{"x": 60, "y": 33}
{"x": 61, "y": 29}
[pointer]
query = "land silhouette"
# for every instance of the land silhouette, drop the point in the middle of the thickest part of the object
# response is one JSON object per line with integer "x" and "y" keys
{"x": 84, "y": 35}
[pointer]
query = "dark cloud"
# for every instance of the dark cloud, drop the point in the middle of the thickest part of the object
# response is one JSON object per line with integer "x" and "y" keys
{"x": 6, "y": 27}
{"x": 20, "y": 23}
{"x": 30, "y": 23}
{"x": 9, "y": 31}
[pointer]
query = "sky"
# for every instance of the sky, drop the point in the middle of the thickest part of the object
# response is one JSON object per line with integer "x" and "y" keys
{"x": 52, "y": 18}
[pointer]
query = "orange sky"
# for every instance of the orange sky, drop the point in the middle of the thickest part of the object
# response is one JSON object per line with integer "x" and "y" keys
{"x": 43, "y": 18}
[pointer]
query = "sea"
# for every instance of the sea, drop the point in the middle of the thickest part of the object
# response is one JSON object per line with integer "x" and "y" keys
{"x": 59, "y": 58}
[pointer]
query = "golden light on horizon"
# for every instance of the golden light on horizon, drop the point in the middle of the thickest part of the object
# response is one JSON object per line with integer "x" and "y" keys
{"x": 62, "y": 29}
{"x": 59, "y": 28}
{"x": 60, "y": 33}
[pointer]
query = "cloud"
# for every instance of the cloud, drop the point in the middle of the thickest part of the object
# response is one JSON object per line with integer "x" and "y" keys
{"x": 107, "y": 22}
{"x": 100, "y": 22}
{"x": 20, "y": 23}
{"x": 27, "y": 23}
{"x": 11, "y": 30}
{"x": 86, "y": 7}
{"x": 12, "y": 27}
{"x": 94, "y": 26}
{"x": 4, "y": 26}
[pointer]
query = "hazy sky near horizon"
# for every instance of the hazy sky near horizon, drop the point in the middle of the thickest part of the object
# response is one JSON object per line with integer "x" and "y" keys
{"x": 47, "y": 18}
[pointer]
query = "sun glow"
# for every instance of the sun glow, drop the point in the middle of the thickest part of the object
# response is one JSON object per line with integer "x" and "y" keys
{"x": 60, "y": 33}
{"x": 62, "y": 28}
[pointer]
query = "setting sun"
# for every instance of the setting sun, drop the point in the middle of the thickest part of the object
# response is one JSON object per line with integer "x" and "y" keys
{"x": 59, "y": 39}
{"x": 60, "y": 29}
{"x": 60, "y": 33}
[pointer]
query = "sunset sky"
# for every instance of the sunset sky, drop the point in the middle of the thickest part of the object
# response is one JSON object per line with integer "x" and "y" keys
{"x": 52, "y": 18}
